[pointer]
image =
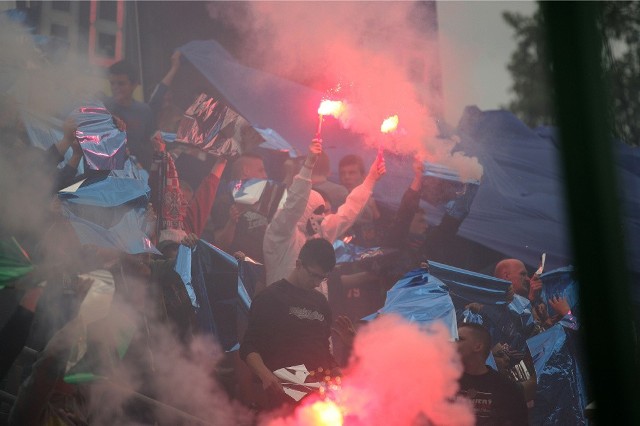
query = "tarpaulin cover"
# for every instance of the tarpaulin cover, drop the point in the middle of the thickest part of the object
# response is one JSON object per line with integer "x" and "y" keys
{"x": 467, "y": 286}
{"x": 560, "y": 395}
{"x": 442, "y": 186}
{"x": 519, "y": 209}
{"x": 106, "y": 191}
{"x": 421, "y": 298}
{"x": 183, "y": 268}
{"x": 510, "y": 323}
{"x": 348, "y": 253}
{"x": 44, "y": 132}
{"x": 223, "y": 288}
{"x": 250, "y": 273}
{"x": 104, "y": 146}
{"x": 272, "y": 140}
{"x": 260, "y": 195}
{"x": 109, "y": 211}
{"x": 213, "y": 127}
{"x": 561, "y": 283}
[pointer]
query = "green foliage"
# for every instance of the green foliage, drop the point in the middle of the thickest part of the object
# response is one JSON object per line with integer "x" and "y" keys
{"x": 530, "y": 68}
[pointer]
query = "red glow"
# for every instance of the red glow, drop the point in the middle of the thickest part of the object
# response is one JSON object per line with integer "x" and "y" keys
{"x": 334, "y": 108}
{"x": 390, "y": 124}
{"x": 326, "y": 413}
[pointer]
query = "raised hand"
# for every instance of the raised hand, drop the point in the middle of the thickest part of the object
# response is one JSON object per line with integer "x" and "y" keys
{"x": 378, "y": 168}
{"x": 190, "y": 240}
{"x": 560, "y": 305}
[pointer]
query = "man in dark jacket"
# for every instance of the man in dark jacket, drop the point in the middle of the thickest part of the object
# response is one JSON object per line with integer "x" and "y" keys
{"x": 290, "y": 322}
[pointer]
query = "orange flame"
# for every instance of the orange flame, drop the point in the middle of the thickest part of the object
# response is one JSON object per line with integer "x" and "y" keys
{"x": 326, "y": 413}
{"x": 334, "y": 108}
{"x": 390, "y": 124}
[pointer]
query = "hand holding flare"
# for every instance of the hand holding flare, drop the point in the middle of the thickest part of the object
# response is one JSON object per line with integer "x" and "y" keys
{"x": 328, "y": 107}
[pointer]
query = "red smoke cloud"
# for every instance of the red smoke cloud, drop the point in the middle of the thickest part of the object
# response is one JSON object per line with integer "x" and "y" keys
{"x": 398, "y": 375}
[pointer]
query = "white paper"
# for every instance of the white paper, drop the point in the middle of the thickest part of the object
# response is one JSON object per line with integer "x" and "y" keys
{"x": 74, "y": 187}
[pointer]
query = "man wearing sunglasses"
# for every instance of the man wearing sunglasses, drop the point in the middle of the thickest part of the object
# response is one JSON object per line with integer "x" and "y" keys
{"x": 290, "y": 322}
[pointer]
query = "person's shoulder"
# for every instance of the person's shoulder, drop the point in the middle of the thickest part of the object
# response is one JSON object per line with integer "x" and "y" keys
{"x": 273, "y": 290}
{"x": 141, "y": 107}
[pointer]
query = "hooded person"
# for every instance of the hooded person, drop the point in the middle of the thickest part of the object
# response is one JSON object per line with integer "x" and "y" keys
{"x": 305, "y": 208}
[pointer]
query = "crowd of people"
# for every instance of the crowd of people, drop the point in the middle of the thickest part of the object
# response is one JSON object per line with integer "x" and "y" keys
{"x": 305, "y": 310}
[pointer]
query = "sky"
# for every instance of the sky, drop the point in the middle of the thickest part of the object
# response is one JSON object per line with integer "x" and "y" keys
{"x": 475, "y": 47}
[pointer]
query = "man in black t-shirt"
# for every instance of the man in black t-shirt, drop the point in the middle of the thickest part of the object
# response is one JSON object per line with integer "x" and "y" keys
{"x": 496, "y": 400}
{"x": 290, "y": 322}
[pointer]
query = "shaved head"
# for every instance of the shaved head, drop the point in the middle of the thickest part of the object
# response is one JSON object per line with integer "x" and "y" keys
{"x": 514, "y": 270}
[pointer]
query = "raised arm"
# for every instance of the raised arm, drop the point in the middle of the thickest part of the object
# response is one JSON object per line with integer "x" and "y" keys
{"x": 283, "y": 225}
{"x": 336, "y": 224}
{"x": 155, "y": 102}
{"x": 199, "y": 207}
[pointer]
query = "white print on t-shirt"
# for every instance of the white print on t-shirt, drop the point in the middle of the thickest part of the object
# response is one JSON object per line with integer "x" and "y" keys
{"x": 482, "y": 402}
{"x": 255, "y": 220}
{"x": 304, "y": 313}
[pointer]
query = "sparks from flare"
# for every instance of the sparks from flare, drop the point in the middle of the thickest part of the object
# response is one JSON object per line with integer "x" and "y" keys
{"x": 328, "y": 107}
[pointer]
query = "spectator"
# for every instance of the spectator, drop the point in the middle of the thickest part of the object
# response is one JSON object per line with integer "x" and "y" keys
{"x": 337, "y": 194}
{"x": 496, "y": 400}
{"x": 514, "y": 270}
{"x": 235, "y": 228}
{"x": 305, "y": 209}
{"x": 137, "y": 116}
{"x": 352, "y": 173}
{"x": 290, "y": 322}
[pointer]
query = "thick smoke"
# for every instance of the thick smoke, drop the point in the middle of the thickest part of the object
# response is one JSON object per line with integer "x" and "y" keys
{"x": 178, "y": 375}
{"x": 31, "y": 80}
{"x": 398, "y": 375}
{"x": 382, "y": 57}
{"x": 181, "y": 378}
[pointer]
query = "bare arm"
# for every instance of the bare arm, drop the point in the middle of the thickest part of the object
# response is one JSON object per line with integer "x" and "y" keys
{"x": 336, "y": 224}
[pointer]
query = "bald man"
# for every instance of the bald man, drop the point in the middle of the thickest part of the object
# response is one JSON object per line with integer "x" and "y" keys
{"x": 514, "y": 270}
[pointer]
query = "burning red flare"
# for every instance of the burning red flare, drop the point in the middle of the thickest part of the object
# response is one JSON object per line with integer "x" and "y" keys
{"x": 389, "y": 124}
{"x": 328, "y": 107}
{"x": 326, "y": 413}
